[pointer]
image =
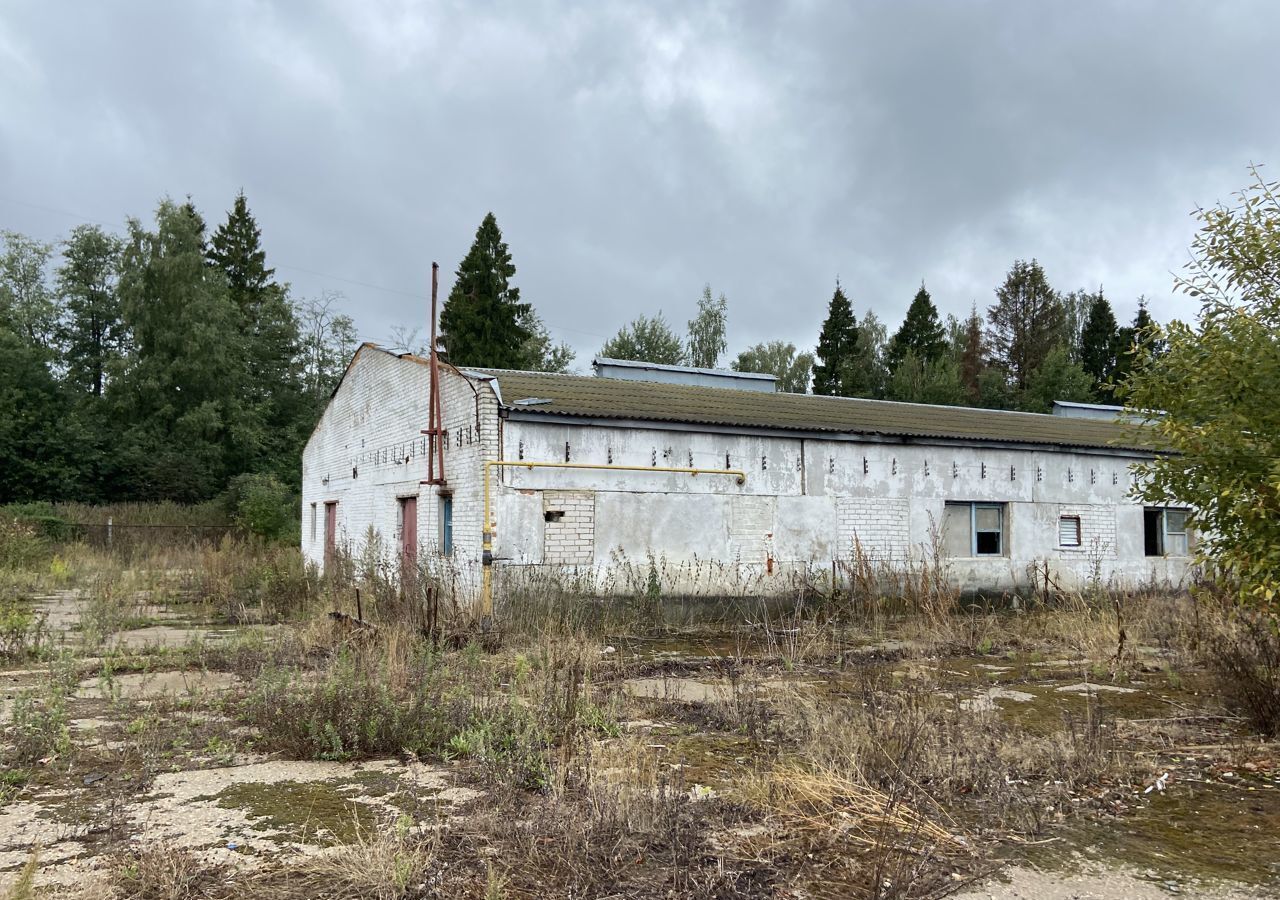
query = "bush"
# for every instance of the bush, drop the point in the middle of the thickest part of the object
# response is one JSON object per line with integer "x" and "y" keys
{"x": 373, "y": 702}
{"x": 1244, "y": 656}
{"x": 350, "y": 712}
{"x": 39, "y": 723}
{"x": 262, "y": 505}
{"x": 42, "y": 517}
{"x": 21, "y": 545}
{"x": 22, "y": 631}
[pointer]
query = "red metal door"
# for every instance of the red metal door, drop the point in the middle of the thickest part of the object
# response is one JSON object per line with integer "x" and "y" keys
{"x": 330, "y": 532}
{"x": 408, "y": 539}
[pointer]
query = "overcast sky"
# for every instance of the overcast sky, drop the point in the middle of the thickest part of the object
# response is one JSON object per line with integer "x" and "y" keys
{"x": 634, "y": 152}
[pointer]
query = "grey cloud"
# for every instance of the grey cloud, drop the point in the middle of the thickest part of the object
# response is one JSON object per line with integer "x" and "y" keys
{"x": 633, "y": 153}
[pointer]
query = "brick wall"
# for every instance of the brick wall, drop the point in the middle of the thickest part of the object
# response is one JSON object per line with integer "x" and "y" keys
{"x": 1097, "y": 529}
{"x": 751, "y": 526}
{"x": 881, "y": 526}
{"x": 569, "y": 532}
{"x": 367, "y": 452}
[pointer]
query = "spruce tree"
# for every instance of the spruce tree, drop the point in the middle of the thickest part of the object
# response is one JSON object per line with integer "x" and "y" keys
{"x": 921, "y": 333}
{"x": 483, "y": 321}
{"x": 1026, "y": 322}
{"x": 837, "y": 348}
{"x": 270, "y": 338}
{"x": 1100, "y": 347}
{"x": 971, "y": 355}
{"x": 92, "y": 333}
{"x": 1138, "y": 343}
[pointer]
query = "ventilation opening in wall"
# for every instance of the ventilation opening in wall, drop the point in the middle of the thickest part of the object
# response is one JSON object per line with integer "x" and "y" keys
{"x": 1069, "y": 531}
{"x": 553, "y": 515}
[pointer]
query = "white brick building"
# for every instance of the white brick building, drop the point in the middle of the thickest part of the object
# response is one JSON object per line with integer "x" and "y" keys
{"x": 999, "y": 494}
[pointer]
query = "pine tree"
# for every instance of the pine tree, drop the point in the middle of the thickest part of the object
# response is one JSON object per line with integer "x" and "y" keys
{"x": 837, "y": 348}
{"x": 93, "y": 334}
{"x": 483, "y": 321}
{"x": 646, "y": 339}
{"x": 1100, "y": 347}
{"x": 706, "y": 341}
{"x": 921, "y": 333}
{"x": 1026, "y": 322}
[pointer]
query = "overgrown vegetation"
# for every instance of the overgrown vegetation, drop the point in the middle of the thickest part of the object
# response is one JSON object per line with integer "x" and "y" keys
{"x": 875, "y": 735}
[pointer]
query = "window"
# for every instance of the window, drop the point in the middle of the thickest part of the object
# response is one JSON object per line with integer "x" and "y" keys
{"x": 446, "y": 525}
{"x": 973, "y": 529}
{"x": 1165, "y": 532}
{"x": 1069, "y": 531}
{"x": 313, "y": 523}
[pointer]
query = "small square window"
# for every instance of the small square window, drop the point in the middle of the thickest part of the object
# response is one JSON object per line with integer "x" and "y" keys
{"x": 1069, "y": 531}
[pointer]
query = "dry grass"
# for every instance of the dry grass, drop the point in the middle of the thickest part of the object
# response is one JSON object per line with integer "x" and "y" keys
{"x": 389, "y": 864}
{"x": 23, "y": 886}
{"x": 828, "y": 800}
{"x": 859, "y": 785}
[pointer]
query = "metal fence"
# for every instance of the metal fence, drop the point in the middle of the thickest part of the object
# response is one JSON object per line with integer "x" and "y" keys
{"x": 127, "y": 538}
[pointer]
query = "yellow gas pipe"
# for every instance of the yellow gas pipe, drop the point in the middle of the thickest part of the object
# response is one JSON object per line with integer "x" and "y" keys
{"x": 486, "y": 583}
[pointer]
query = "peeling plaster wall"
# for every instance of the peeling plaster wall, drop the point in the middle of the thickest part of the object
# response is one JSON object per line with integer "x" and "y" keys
{"x": 367, "y": 451}
{"x": 804, "y": 503}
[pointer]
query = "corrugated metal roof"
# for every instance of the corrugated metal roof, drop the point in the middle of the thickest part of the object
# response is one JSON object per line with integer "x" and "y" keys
{"x": 607, "y": 398}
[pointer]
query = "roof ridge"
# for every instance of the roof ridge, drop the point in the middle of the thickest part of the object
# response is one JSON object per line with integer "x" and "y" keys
{"x": 595, "y": 379}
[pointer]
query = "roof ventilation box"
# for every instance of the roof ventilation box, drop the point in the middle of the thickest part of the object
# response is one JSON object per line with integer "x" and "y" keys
{"x": 631, "y": 370}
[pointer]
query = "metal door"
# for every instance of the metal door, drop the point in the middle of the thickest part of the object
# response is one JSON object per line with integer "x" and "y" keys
{"x": 330, "y": 532}
{"x": 408, "y": 539}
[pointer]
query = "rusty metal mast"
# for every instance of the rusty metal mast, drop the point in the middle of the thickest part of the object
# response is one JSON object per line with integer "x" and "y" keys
{"x": 435, "y": 413}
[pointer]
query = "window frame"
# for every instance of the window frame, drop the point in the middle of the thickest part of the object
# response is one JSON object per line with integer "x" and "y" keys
{"x": 973, "y": 506}
{"x": 446, "y": 525}
{"x": 1163, "y": 535}
{"x": 1079, "y": 530}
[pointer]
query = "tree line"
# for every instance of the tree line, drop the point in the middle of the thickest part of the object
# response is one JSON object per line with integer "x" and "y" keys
{"x": 169, "y": 363}
{"x": 1034, "y": 345}
{"x": 161, "y": 364}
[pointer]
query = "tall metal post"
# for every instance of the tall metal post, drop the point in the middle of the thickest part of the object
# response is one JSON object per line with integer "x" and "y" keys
{"x": 435, "y": 411}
